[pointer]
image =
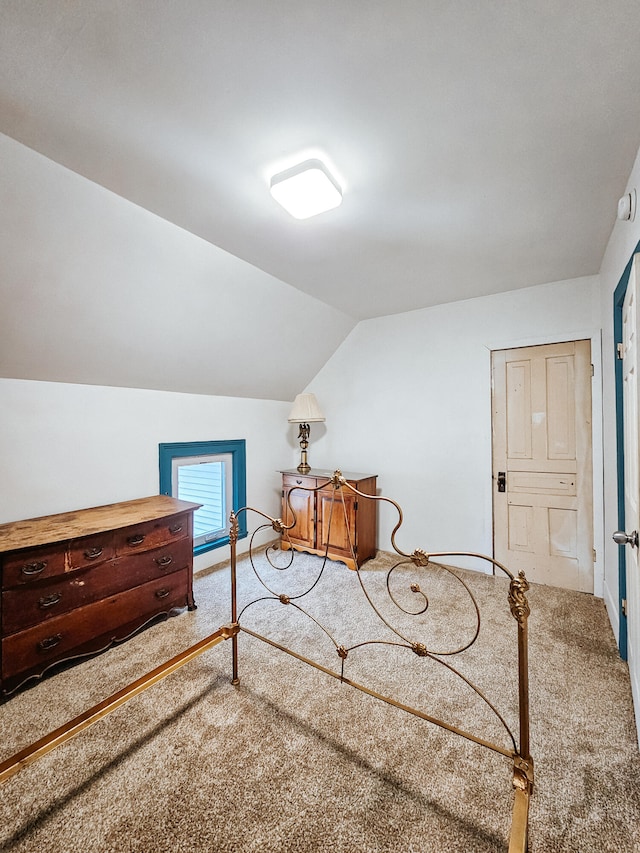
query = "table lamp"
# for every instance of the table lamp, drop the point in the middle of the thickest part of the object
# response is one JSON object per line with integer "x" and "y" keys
{"x": 305, "y": 411}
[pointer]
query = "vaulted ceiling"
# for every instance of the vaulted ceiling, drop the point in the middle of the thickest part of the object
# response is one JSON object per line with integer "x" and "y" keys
{"x": 482, "y": 146}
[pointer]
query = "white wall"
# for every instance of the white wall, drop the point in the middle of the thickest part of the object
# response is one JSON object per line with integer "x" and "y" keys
{"x": 623, "y": 240}
{"x": 408, "y": 397}
{"x": 65, "y": 447}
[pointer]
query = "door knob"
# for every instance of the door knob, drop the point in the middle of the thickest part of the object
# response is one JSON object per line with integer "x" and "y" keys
{"x": 622, "y": 538}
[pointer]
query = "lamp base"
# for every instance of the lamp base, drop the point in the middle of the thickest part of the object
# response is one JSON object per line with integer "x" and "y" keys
{"x": 303, "y": 435}
{"x": 304, "y": 466}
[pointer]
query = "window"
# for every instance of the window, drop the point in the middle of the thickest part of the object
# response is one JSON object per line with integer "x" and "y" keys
{"x": 211, "y": 473}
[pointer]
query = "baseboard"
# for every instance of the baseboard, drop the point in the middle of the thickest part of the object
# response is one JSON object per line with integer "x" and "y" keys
{"x": 613, "y": 611}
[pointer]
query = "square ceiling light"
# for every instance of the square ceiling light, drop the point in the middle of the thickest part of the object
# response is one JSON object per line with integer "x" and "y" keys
{"x": 306, "y": 189}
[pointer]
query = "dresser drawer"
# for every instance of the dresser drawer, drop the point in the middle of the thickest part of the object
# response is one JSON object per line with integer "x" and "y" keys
{"x": 159, "y": 562}
{"x": 77, "y": 632}
{"x": 29, "y": 605}
{"x": 90, "y": 550}
{"x": 20, "y": 567}
{"x": 151, "y": 534}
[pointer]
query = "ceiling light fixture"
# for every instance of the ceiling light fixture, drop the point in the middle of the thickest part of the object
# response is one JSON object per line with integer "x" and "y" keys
{"x": 306, "y": 189}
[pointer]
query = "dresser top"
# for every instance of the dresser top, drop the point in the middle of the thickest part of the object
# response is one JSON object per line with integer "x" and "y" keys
{"x": 85, "y": 522}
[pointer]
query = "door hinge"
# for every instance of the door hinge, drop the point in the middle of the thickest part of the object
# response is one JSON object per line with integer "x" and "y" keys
{"x": 594, "y": 555}
{"x": 624, "y": 606}
{"x": 593, "y": 370}
{"x": 620, "y": 351}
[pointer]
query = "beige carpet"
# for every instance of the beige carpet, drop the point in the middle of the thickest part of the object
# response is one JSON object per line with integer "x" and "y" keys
{"x": 294, "y": 761}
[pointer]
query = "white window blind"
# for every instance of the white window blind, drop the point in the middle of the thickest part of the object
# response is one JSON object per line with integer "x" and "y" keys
{"x": 207, "y": 481}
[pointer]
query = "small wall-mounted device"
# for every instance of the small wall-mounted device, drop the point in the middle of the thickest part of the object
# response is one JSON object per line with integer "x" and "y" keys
{"x": 627, "y": 206}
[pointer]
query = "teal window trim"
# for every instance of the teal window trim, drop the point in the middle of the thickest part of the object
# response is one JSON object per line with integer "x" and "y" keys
{"x": 237, "y": 448}
{"x": 618, "y": 301}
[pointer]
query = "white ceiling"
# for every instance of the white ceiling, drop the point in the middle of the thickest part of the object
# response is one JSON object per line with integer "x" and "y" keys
{"x": 482, "y": 145}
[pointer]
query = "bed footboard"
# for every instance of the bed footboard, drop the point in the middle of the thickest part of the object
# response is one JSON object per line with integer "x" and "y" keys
{"x": 272, "y": 590}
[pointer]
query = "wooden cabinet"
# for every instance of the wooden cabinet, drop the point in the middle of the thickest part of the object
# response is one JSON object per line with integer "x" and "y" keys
{"x": 75, "y": 583}
{"x": 327, "y": 515}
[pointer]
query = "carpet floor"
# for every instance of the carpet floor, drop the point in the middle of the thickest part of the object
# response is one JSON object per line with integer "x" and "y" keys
{"x": 293, "y": 760}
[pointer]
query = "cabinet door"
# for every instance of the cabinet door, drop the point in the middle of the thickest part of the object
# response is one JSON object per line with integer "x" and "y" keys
{"x": 337, "y": 525}
{"x": 302, "y": 504}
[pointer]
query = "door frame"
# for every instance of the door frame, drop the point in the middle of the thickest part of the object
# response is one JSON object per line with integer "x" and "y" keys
{"x": 597, "y": 441}
{"x": 618, "y": 300}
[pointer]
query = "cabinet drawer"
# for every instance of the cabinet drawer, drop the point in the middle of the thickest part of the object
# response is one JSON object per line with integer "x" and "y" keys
{"x": 291, "y": 481}
{"x": 61, "y": 636}
{"x": 90, "y": 550}
{"x": 20, "y": 567}
{"x": 151, "y": 534}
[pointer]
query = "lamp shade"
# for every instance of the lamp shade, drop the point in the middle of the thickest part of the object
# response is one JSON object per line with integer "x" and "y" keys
{"x": 305, "y": 410}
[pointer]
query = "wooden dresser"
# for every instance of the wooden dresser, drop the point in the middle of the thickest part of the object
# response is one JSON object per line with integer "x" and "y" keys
{"x": 75, "y": 583}
{"x": 354, "y": 525}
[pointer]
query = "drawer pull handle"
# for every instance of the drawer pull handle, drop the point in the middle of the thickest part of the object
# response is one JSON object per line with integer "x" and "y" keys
{"x": 34, "y": 568}
{"x": 93, "y": 553}
{"x": 299, "y": 482}
{"x": 49, "y": 642}
{"x": 165, "y": 561}
{"x": 49, "y": 600}
{"x": 177, "y": 528}
{"x": 162, "y": 593}
{"x": 137, "y": 539}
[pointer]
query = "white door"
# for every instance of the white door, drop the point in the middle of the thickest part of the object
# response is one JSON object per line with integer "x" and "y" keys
{"x": 542, "y": 468}
{"x": 630, "y": 372}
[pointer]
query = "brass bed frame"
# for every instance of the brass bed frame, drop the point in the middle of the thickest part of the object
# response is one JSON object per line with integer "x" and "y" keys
{"x": 519, "y": 749}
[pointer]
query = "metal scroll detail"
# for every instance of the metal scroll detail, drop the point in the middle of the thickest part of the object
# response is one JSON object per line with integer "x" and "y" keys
{"x": 517, "y": 598}
{"x": 423, "y": 563}
{"x": 421, "y": 559}
{"x": 233, "y": 528}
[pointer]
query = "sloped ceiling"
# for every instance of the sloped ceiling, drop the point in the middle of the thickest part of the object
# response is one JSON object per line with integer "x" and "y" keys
{"x": 482, "y": 147}
{"x": 96, "y": 290}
